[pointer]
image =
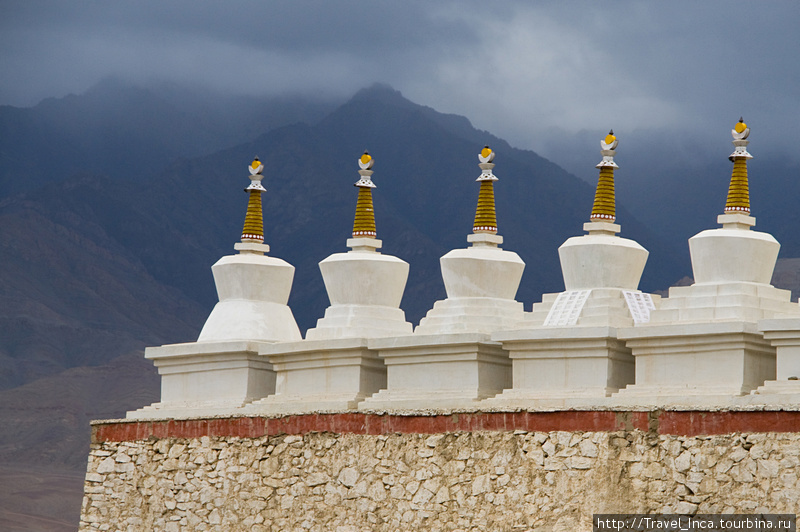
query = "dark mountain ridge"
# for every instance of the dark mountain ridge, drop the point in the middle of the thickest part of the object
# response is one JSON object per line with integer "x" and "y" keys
{"x": 132, "y": 132}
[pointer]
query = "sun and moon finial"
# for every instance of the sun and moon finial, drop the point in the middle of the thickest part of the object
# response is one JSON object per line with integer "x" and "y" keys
{"x": 740, "y": 131}
{"x": 485, "y": 213}
{"x": 364, "y": 222}
{"x": 256, "y": 167}
{"x": 486, "y": 155}
{"x": 365, "y": 161}
{"x": 738, "y": 201}
{"x": 253, "y": 230}
{"x": 604, "y": 208}
{"x": 609, "y": 142}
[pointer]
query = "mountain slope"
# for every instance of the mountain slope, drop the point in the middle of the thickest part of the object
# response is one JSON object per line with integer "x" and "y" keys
{"x": 131, "y": 132}
{"x": 70, "y": 294}
{"x": 43, "y": 459}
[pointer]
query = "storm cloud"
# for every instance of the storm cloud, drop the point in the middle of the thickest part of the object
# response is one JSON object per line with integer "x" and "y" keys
{"x": 530, "y": 72}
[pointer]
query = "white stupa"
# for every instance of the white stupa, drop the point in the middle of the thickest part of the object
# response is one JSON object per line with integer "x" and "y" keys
{"x": 481, "y": 280}
{"x": 450, "y": 361}
{"x": 222, "y": 371}
{"x": 567, "y": 347}
{"x": 364, "y": 286}
{"x": 334, "y": 369}
{"x": 703, "y": 343}
{"x": 253, "y": 288}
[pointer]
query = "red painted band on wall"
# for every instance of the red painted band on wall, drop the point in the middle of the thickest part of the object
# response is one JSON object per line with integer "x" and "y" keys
{"x": 681, "y": 423}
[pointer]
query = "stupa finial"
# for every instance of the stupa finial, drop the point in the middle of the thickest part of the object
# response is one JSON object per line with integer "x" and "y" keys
{"x": 253, "y": 231}
{"x": 485, "y": 214}
{"x": 604, "y": 208}
{"x": 364, "y": 223}
{"x": 739, "y": 189}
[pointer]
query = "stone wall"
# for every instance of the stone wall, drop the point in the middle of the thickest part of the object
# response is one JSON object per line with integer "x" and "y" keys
{"x": 217, "y": 475}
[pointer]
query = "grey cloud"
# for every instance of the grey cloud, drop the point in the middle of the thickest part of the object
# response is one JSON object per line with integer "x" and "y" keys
{"x": 518, "y": 68}
{"x": 60, "y": 47}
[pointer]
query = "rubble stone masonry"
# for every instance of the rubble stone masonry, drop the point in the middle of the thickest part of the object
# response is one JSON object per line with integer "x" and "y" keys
{"x": 488, "y": 472}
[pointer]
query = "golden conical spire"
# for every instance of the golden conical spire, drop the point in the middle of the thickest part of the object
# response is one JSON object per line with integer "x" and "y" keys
{"x": 364, "y": 223}
{"x": 739, "y": 190}
{"x": 485, "y": 213}
{"x": 604, "y": 208}
{"x": 254, "y": 220}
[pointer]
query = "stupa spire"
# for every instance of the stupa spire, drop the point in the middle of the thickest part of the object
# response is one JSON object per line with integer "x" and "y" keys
{"x": 739, "y": 190}
{"x": 364, "y": 223}
{"x": 485, "y": 213}
{"x": 604, "y": 208}
{"x": 253, "y": 230}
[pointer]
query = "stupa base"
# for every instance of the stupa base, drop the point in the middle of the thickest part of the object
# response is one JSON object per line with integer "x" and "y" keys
{"x": 699, "y": 359}
{"x": 232, "y": 372}
{"x": 315, "y": 375}
{"x": 443, "y": 371}
{"x": 566, "y": 362}
{"x": 188, "y": 410}
{"x": 779, "y": 392}
{"x": 307, "y": 403}
{"x": 471, "y": 315}
{"x": 360, "y": 321}
{"x": 431, "y": 401}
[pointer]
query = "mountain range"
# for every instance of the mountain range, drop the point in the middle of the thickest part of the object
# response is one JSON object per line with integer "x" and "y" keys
{"x": 115, "y": 203}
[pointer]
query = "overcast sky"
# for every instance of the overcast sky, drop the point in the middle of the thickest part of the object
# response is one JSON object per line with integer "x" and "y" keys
{"x": 530, "y": 72}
